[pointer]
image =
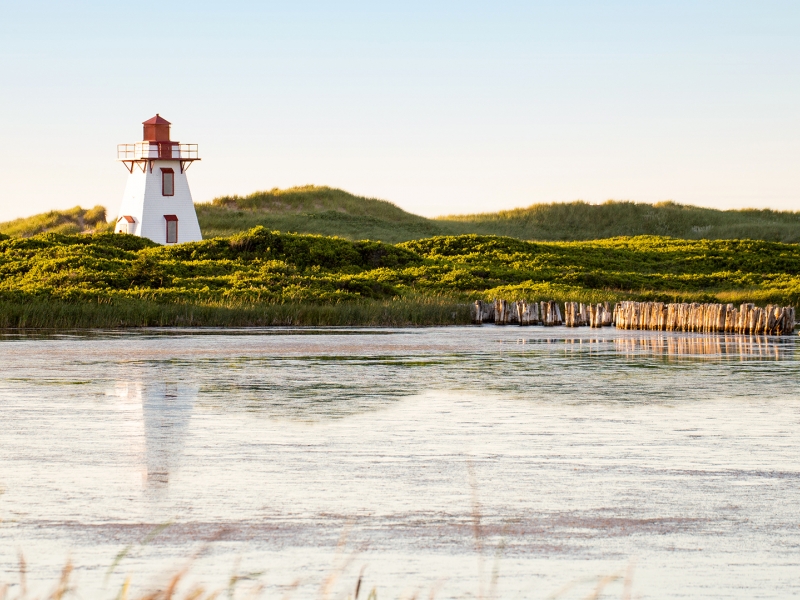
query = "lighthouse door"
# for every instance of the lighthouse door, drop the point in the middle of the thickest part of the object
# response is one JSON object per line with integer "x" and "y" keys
{"x": 172, "y": 228}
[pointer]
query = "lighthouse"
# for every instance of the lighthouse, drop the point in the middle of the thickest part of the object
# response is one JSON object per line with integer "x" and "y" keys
{"x": 157, "y": 203}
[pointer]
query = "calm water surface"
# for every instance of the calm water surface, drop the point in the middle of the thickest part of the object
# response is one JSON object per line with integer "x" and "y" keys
{"x": 514, "y": 462}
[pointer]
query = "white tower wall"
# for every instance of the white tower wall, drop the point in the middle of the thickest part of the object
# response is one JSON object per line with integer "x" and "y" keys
{"x": 144, "y": 202}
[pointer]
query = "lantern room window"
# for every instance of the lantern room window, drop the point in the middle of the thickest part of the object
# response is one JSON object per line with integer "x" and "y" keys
{"x": 167, "y": 182}
{"x": 172, "y": 228}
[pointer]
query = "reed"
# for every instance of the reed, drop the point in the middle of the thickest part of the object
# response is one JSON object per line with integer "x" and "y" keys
{"x": 55, "y": 314}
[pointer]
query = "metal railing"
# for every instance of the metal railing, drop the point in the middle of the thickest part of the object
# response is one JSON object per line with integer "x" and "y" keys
{"x": 154, "y": 150}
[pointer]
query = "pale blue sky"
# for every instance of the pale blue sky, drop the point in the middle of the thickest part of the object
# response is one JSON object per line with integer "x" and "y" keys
{"x": 440, "y": 107}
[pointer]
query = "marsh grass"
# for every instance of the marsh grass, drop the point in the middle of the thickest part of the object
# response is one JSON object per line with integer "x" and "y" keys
{"x": 176, "y": 584}
{"x": 55, "y": 314}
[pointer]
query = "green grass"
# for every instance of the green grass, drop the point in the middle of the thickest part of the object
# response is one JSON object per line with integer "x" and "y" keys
{"x": 267, "y": 278}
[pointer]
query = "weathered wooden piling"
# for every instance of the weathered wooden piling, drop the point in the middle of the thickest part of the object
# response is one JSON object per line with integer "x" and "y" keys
{"x": 551, "y": 314}
{"x": 482, "y": 312}
{"x": 600, "y": 315}
{"x": 705, "y": 318}
{"x": 527, "y": 313}
{"x": 503, "y": 312}
{"x": 576, "y": 314}
{"x": 747, "y": 319}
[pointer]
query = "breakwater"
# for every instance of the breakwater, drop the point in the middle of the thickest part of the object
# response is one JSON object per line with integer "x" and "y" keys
{"x": 653, "y": 316}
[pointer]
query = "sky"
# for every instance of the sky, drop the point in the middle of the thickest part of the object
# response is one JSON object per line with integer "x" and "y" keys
{"x": 439, "y": 107}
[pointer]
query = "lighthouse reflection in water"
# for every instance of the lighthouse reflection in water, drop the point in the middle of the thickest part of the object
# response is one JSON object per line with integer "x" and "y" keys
{"x": 165, "y": 411}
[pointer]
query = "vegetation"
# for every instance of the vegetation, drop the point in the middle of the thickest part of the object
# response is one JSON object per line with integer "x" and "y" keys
{"x": 263, "y": 278}
{"x": 312, "y": 209}
{"x": 584, "y": 221}
{"x": 74, "y": 220}
{"x": 328, "y": 211}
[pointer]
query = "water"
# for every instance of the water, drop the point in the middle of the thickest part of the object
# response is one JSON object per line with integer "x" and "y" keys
{"x": 468, "y": 462}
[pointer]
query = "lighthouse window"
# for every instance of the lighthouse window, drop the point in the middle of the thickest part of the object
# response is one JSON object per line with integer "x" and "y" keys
{"x": 172, "y": 229}
{"x": 167, "y": 182}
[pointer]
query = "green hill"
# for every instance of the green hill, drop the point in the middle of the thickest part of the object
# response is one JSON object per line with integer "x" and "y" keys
{"x": 313, "y": 209}
{"x": 329, "y": 211}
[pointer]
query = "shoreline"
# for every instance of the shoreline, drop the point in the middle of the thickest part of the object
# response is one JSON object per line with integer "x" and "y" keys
{"x": 59, "y": 316}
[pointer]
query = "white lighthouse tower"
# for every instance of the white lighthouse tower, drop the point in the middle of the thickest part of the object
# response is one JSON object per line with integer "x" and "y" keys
{"x": 157, "y": 202}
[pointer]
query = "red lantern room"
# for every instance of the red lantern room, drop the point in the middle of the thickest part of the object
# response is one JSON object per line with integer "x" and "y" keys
{"x": 156, "y": 129}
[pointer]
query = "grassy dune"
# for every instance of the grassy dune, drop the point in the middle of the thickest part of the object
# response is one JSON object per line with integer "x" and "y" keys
{"x": 312, "y": 209}
{"x": 583, "y": 221}
{"x": 73, "y": 220}
{"x": 328, "y": 211}
{"x": 270, "y": 278}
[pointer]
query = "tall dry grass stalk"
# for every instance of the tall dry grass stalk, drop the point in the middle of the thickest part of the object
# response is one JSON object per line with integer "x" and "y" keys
{"x": 176, "y": 586}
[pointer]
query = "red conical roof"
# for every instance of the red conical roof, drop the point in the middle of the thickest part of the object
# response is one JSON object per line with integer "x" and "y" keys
{"x": 157, "y": 120}
{"x": 156, "y": 129}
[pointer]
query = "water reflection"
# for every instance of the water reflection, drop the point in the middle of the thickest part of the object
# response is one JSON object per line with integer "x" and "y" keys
{"x": 708, "y": 346}
{"x": 161, "y": 411}
{"x": 669, "y": 345}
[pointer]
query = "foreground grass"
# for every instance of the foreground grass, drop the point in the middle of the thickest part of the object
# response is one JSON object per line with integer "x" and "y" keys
{"x": 269, "y": 278}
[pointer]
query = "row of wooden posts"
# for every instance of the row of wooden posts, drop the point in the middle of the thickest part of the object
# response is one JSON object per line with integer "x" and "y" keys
{"x": 705, "y": 318}
{"x": 547, "y": 313}
{"x": 656, "y": 316}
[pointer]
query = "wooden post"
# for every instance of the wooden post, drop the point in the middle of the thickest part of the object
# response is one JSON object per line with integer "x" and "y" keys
{"x": 476, "y": 312}
{"x": 512, "y": 313}
{"x": 500, "y": 312}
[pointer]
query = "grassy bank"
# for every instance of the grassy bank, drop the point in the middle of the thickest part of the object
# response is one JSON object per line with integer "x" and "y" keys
{"x": 270, "y": 278}
{"x": 329, "y": 211}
